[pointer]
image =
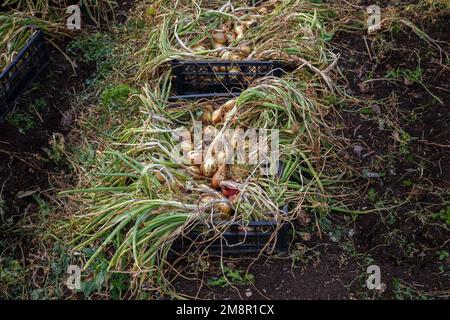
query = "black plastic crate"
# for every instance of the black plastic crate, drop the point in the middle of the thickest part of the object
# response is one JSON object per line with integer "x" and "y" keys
{"x": 207, "y": 79}
{"x": 26, "y": 66}
{"x": 239, "y": 238}
{"x": 236, "y": 240}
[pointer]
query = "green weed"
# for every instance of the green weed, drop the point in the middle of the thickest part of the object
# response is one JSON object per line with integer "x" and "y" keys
{"x": 96, "y": 48}
{"x": 411, "y": 76}
{"x": 442, "y": 215}
{"x": 231, "y": 277}
{"x": 22, "y": 121}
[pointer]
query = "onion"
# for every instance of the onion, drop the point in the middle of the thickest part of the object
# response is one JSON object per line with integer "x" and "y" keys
{"x": 209, "y": 166}
{"x": 229, "y": 192}
{"x": 186, "y": 145}
{"x": 227, "y": 26}
{"x": 199, "y": 48}
{"x": 262, "y": 10}
{"x": 224, "y": 216}
{"x": 206, "y": 118}
{"x": 250, "y": 23}
{"x": 209, "y": 132}
{"x": 219, "y": 36}
{"x": 234, "y": 198}
{"x": 217, "y": 115}
{"x": 206, "y": 202}
{"x": 225, "y": 55}
{"x": 218, "y": 177}
{"x": 224, "y": 208}
{"x": 239, "y": 31}
{"x": 229, "y": 105}
{"x": 245, "y": 49}
{"x": 217, "y": 45}
{"x": 195, "y": 172}
{"x": 230, "y": 36}
{"x": 221, "y": 157}
{"x": 195, "y": 157}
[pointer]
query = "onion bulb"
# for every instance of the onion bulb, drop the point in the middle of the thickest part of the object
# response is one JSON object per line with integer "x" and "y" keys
{"x": 217, "y": 45}
{"x": 186, "y": 146}
{"x": 229, "y": 192}
{"x": 206, "y": 118}
{"x": 239, "y": 31}
{"x": 195, "y": 172}
{"x": 225, "y": 55}
{"x": 219, "y": 36}
{"x": 227, "y": 106}
{"x": 221, "y": 157}
{"x": 209, "y": 166}
{"x": 234, "y": 198}
{"x": 218, "y": 177}
{"x": 245, "y": 49}
{"x": 227, "y": 26}
{"x": 224, "y": 208}
{"x": 230, "y": 36}
{"x": 209, "y": 132}
{"x": 206, "y": 202}
{"x": 194, "y": 157}
{"x": 250, "y": 23}
{"x": 199, "y": 48}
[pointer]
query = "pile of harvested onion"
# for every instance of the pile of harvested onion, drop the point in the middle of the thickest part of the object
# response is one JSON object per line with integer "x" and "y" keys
{"x": 209, "y": 162}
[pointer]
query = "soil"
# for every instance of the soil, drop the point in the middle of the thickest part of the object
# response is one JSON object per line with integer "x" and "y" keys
{"x": 430, "y": 147}
{"x": 24, "y": 163}
{"x": 323, "y": 273}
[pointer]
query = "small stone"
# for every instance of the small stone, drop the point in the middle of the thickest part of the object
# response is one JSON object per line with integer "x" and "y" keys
{"x": 364, "y": 87}
{"x": 231, "y": 265}
{"x": 408, "y": 82}
{"x": 358, "y": 149}
{"x": 306, "y": 236}
{"x": 370, "y": 175}
{"x": 304, "y": 218}
{"x": 376, "y": 109}
{"x": 248, "y": 293}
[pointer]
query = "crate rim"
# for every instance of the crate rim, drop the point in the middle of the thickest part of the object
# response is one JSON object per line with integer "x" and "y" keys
{"x": 215, "y": 61}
